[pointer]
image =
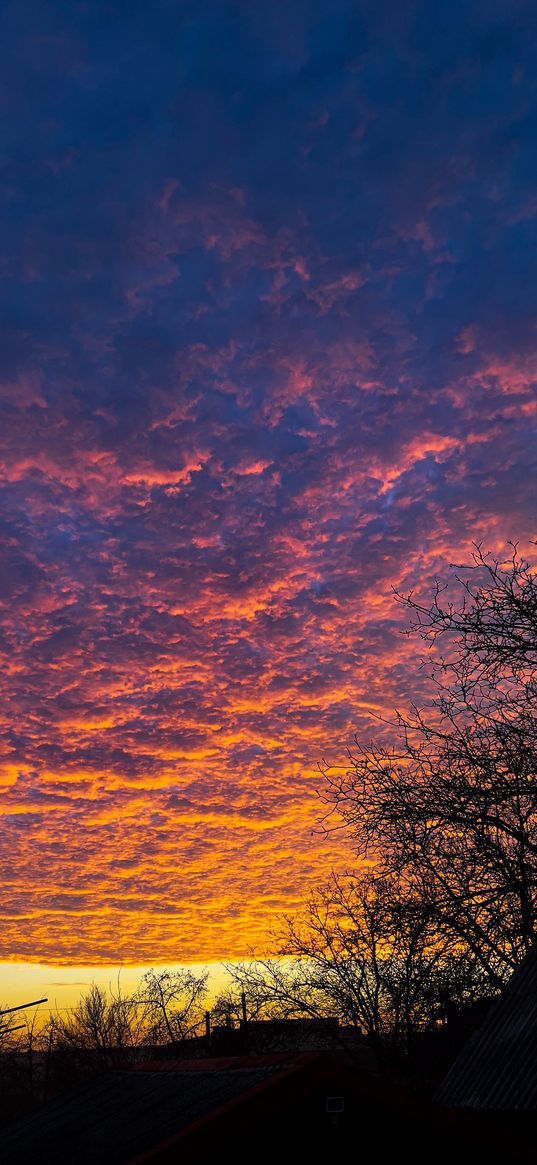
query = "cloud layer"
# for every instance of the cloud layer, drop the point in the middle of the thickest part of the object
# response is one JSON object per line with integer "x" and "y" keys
{"x": 268, "y": 349}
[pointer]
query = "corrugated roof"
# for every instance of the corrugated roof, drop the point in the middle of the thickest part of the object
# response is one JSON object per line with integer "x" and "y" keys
{"x": 140, "y": 1116}
{"x": 497, "y": 1068}
{"x": 123, "y": 1114}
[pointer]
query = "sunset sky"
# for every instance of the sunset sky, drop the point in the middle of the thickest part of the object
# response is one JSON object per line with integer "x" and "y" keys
{"x": 269, "y": 348}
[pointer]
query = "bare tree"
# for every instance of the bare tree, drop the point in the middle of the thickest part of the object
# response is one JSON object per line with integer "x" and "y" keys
{"x": 451, "y": 807}
{"x": 227, "y": 1009}
{"x": 494, "y": 622}
{"x": 102, "y": 1032}
{"x": 367, "y": 953}
{"x": 173, "y": 1004}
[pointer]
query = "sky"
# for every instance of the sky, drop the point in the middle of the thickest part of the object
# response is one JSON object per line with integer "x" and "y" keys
{"x": 268, "y": 350}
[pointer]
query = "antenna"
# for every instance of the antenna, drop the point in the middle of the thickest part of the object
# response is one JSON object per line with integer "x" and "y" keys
{"x": 22, "y": 1006}
{"x": 4, "y": 1031}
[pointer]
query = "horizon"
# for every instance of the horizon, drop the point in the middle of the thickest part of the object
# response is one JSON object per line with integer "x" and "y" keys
{"x": 22, "y": 983}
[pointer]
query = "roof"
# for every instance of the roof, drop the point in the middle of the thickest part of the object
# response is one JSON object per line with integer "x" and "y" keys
{"x": 193, "y": 1111}
{"x": 497, "y": 1068}
{"x": 121, "y": 1115}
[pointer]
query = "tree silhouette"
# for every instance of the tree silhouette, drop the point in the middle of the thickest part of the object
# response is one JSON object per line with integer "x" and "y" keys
{"x": 366, "y": 953}
{"x": 173, "y": 1004}
{"x": 449, "y": 810}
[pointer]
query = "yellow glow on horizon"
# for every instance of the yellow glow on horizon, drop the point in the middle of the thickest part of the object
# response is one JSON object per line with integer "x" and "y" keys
{"x": 63, "y": 986}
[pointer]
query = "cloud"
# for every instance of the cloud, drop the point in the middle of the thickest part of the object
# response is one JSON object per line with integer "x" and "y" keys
{"x": 270, "y": 351}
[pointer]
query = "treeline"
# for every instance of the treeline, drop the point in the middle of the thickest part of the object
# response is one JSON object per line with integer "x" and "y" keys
{"x": 107, "y": 1029}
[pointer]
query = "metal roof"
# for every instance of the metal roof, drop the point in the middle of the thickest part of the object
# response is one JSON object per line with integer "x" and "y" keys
{"x": 121, "y": 1115}
{"x": 497, "y": 1068}
{"x": 193, "y": 1112}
